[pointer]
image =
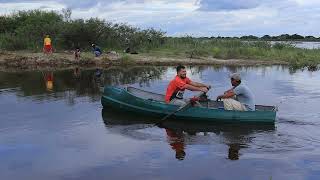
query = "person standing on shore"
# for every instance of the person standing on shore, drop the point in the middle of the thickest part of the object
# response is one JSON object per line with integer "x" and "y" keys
{"x": 47, "y": 46}
{"x": 96, "y": 50}
{"x": 77, "y": 54}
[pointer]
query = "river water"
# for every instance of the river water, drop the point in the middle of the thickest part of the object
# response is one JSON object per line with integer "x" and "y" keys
{"x": 300, "y": 44}
{"x": 52, "y": 126}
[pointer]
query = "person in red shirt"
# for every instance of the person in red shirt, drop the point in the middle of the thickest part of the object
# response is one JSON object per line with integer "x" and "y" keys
{"x": 176, "y": 141}
{"x": 176, "y": 87}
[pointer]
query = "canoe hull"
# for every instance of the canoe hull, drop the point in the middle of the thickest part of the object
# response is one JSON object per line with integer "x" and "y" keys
{"x": 120, "y": 99}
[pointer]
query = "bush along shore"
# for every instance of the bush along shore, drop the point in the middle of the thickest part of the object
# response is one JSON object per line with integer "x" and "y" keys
{"x": 22, "y": 33}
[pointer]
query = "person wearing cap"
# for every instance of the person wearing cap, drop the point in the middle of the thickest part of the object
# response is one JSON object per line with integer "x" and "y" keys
{"x": 176, "y": 87}
{"x": 239, "y": 97}
{"x": 96, "y": 50}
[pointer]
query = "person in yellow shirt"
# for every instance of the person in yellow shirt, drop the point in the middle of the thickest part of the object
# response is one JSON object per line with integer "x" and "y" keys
{"x": 47, "y": 47}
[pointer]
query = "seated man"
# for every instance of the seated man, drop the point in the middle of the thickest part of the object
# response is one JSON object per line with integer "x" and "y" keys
{"x": 177, "y": 86}
{"x": 244, "y": 99}
{"x": 96, "y": 50}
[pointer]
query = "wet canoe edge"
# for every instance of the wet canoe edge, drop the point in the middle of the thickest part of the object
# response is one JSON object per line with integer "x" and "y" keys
{"x": 121, "y": 100}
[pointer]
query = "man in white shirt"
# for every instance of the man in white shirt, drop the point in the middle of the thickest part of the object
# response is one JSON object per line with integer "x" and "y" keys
{"x": 244, "y": 99}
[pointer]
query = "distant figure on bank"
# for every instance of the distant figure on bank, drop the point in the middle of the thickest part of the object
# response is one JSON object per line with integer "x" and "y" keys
{"x": 47, "y": 46}
{"x": 96, "y": 50}
{"x": 77, "y": 54}
{"x": 239, "y": 97}
{"x": 177, "y": 86}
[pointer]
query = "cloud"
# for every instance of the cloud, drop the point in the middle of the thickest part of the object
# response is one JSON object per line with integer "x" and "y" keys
{"x": 212, "y": 5}
{"x": 229, "y": 5}
{"x": 10, "y": 7}
{"x": 70, "y": 3}
{"x": 193, "y": 17}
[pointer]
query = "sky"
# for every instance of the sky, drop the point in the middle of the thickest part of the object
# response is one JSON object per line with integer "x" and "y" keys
{"x": 192, "y": 17}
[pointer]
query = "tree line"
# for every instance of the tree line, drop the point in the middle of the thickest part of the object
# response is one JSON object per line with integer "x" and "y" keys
{"x": 25, "y": 30}
{"x": 282, "y": 37}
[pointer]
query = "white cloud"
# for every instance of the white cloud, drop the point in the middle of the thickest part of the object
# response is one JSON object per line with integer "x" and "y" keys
{"x": 7, "y": 8}
{"x": 188, "y": 17}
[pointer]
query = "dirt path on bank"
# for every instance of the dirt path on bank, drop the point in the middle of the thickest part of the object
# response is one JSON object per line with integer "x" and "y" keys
{"x": 65, "y": 60}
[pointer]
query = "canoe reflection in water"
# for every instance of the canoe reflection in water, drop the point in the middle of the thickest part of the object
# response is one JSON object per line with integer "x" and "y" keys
{"x": 180, "y": 134}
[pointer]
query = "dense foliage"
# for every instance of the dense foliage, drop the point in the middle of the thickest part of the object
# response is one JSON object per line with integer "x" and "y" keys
{"x": 25, "y": 30}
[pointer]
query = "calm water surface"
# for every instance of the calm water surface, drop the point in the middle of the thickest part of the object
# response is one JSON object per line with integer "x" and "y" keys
{"x": 301, "y": 44}
{"x": 59, "y": 130}
{"x": 307, "y": 45}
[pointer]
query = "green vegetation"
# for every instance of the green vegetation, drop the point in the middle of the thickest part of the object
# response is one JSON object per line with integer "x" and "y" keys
{"x": 25, "y": 30}
{"x": 125, "y": 59}
{"x": 282, "y": 37}
{"x": 235, "y": 49}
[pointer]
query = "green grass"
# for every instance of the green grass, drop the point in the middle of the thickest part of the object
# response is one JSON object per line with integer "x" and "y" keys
{"x": 86, "y": 56}
{"x": 236, "y": 49}
{"x": 125, "y": 59}
{"x": 25, "y": 30}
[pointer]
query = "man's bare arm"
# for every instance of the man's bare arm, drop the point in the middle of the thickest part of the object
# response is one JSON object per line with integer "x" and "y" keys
{"x": 198, "y": 84}
{"x": 228, "y": 91}
{"x": 228, "y": 94}
{"x": 195, "y": 88}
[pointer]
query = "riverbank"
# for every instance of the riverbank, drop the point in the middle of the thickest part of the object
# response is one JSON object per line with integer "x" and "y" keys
{"x": 154, "y": 47}
{"x": 64, "y": 60}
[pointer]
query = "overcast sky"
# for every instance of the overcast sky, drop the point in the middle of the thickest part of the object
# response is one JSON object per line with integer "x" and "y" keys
{"x": 193, "y": 17}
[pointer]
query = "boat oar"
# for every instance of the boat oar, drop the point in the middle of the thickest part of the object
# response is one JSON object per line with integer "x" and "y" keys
{"x": 186, "y": 106}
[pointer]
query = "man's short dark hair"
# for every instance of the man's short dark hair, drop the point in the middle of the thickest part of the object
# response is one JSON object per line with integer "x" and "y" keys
{"x": 180, "y": 67}
{"x": 180, "y": 155}
{"x": 239, "y": 81}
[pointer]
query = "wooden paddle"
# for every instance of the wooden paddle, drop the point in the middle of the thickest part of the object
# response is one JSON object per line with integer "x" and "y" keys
{"x": 186, "y": 106}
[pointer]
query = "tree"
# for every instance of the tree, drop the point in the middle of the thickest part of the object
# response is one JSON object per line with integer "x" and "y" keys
{"x": 266, "y": 37}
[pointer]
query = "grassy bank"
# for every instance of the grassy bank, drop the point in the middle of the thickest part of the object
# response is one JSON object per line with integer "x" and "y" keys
{"x": 236, "y": 49}
{"x": 23, "y": 60}
{"x": 22, "y": 35}
{"x": 173, "y": 52}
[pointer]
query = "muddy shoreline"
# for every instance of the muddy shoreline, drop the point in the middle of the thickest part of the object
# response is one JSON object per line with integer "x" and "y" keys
{"x": 26, "y": 61}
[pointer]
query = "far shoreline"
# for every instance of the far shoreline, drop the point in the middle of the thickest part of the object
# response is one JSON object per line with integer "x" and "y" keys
{"x": 28, "y": 61}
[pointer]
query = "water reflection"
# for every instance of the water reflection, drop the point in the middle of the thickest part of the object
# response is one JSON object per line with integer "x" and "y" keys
{"x": 69, "y": 84}
{"x": 76, "y": 73}
{"x": 48, "y": 78}
{"x": 180, "y": 134}
{"x": 65, "y": 125}
{"x": 87, "y": 82}
{"x": 176, "y": 141}
{"x": 279, "y": 87}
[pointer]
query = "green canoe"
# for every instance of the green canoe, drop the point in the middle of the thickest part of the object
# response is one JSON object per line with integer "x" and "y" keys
{"x": 130, "y": 99}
